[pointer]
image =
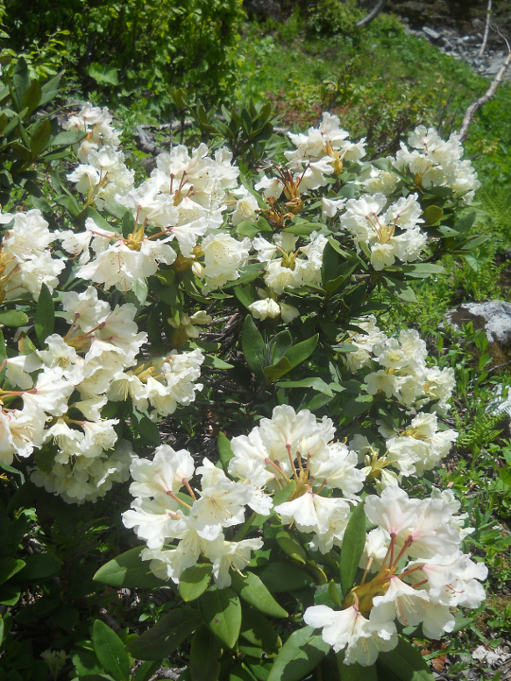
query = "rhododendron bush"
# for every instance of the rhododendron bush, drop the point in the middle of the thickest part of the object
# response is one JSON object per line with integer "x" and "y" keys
{"x": 316, "y": 535}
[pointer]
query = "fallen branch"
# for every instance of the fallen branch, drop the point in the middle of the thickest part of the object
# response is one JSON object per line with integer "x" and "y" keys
{"x": 372, "y": 15}
{"x": 475, "y": 106}
{"x": 486, "y": 29}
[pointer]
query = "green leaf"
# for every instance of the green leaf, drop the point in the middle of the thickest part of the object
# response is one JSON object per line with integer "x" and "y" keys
{"x": 426, "y": 269}
{"x": 70, "y": 203}
{"x": 281, "y": 577}
{"x": 224, "y": 450}
{"x": 299, "y": 655}
{"x": 274, "y": 372}
{"x": 103, "y": 74}
{"x": 145, "y": 671}
{"x": 301, "y": 351}
{"x": 194, "y": 581}
{"x": 40, "y": 138}
{"x": 352, "y": 546}
{"x": 45, "y": 315}
{"x": 85, "y": 665}
{"x": 253, "y": 346}
{"x": 291, "y": 546}
{"x": 65, "y": 139}
{"x": 406, "y": 663}
{"x": 13, "y": 318}
{"x": 355, "y": 671}
{"x": 256, "y": 629}
{"x": 204, "y": 656}
{"x": 358, "y": 405}
{"x": 221, "y": 611}
{"x": 31, "y": 98}
{"x": 433, "y": 214}
{"x": 129, "y": 571}
{"x": 109, "y": 650}
{"x": 9, "y": 567}
{"x": 147, "y": 429}
{"x": 38, "y": 567}
{"x": 314, "y": 383}
{"x": 169, "y": 632}
{"x": 253, "y": 591}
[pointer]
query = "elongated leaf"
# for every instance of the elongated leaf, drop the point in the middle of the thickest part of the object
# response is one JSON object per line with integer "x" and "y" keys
{"x": 169, "y": 632}
{"x": 194, "y": 581}
{"x": 314, "y": 383}
{"x": 224, "y": 450}
{"x": 274, "y": 372}
{"x": 253, "y": 591}
{"x": 221, "y": 611}
{"x": 256, "y": 629}
{"x": 355, "y": 672}
{"x": 358, "y": 405}
{"x": 109, "y": 650}
{"x": 9, "y": 567}
{"x": 128, "y": 570}
{"x": 38, "y": 567}
{"x": 204, "y": 656}
{"x": 352, "y": 546}
{"x": 281, "y": 577}
{"x": 291, "y": 546}
{"x": 406, "y": 663}
{"x": 40, "y": 137}
{"x": 301, "y": 351}
{"x": 13, "y": 318}
{"x": 299, "y": 655}
{"x": 45, "y": 315}
{"x": 253, "y": 346}
{"x": 32, "y": 97}
{"x": 67, "y": 138}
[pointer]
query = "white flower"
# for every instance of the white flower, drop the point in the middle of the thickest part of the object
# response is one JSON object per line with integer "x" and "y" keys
{"x": 348, "y": 629}
{"x": 223, "y": 256}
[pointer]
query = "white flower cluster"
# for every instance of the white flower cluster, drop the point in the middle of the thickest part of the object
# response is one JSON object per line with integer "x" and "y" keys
{"x": 89, "y": 366}
{"x": 415, "y": 573}
{"x": 102, "y": 172}
{"x": 158, "y": 514}
{"x": 393, "y": 234}
{"x": 436, "y": 163}
{"x": 26, "y": 262}
{"x": 182, "y": 202}
{"x": 404, "y": 374}
{"x": 292, "y": 446}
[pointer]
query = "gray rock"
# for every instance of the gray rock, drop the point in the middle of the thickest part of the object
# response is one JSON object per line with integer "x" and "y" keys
{"x": 431, "y": 33}
{"x": 493, "y": 316}
{"x": 495, "y": 66}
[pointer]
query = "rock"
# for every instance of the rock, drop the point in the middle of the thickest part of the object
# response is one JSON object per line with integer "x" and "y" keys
{"x": 431, "y": 33}
{"x": 494, "y": 317}
{"x": 496, "y": 65}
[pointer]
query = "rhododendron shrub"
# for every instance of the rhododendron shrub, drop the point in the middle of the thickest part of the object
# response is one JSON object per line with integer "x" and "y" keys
{"x": 308, "y": 536}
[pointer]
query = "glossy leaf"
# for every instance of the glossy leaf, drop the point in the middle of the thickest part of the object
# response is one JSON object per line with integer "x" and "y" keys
{"x": 40, "y": 138}
{"x": 289, "y": 544}
{"x": 406, "y": 663}
{"x": 129, "y": 571}
{"x": 194, "y": 581}
{"x": 224, "y": 450}
{"x": 301, "y": 351}
{"x": 167, "y": 634}
{"x": 204, "y": 655}
{"x": 257, "y": 630}
{"x": 253, "y": 591}
{"x": 45, "y": 315}
{"x": 299, "y": 655}
{"x": 221, "y": 611}
{"x": 355, "y": 671}
{"x": 13, "y": 318}
{"x": 352, "y": 546}
{"x": 110, "y": 652}
{"x": 253, "y": 346}
{"x": 281, "y": 577}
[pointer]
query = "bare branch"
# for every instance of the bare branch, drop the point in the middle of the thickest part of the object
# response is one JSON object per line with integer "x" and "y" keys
{"x": 373, "y": 14}
{"x": 486, "y": 29}
{"x": 475, "y": 106}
